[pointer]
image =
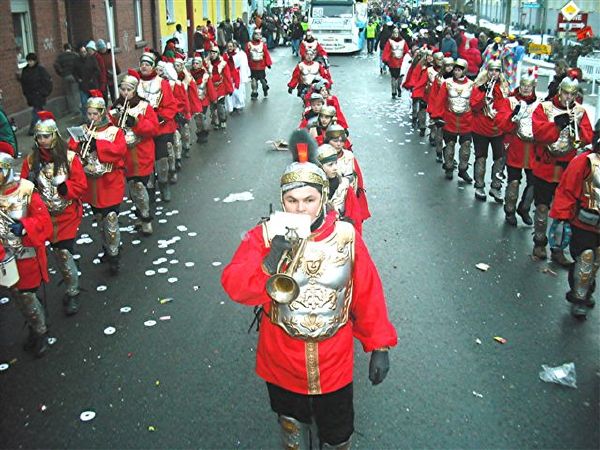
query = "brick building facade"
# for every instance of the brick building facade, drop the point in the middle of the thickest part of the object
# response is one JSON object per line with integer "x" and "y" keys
{"x": 43, "y": 26}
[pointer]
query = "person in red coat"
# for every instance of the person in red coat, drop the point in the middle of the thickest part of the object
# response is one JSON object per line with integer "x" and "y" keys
{"x": 223, "y": 86}
{"x": 103, "y": 152}
{"x": 560, "y": 127}
{"x": 490, "y": 87}
{"x": 444, "y": 73}
{"x": 577, "y": 205}
{"x": 514, "y": 118}
{"x": 305, "y": 73}
{"x": 157, "y": 91}
{"x": 318, "y": 127}
{"x": 393, "y": 55}
{"x": 259, "y": 60}
{"x": 139, "y": 123}
{"x": 452, "y": 109}
{"x": 205, "y": 90}
{"x": 433, "y": 73}
{"x": 470, "y": 52}
{"x": 194, "y": 105}
{"x": 322, "y": 87}
{"x": 58, "y": 176}
{"x": 419, "y": 80}
{"x": 25, "y": 226}
{"x": 310, "y": 44}
{"x": 305, "y": 342}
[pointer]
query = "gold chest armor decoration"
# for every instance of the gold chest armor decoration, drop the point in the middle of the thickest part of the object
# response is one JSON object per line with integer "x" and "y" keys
{"x": 397, "y": 48}
{"x": 459, "y": 96}
{"x": 132, "y": 139}
{"x": 525, "y": 125}
{"x": 325, "y": 281}
{"x": 92, "y": 165}
{"x": 338, "y": 199}
{"x": 591, "y": 185}
{"x": 151, "y": 90}
{"x": 14, "y": 205}
{"x": 256, "y": 51}
{"x": 308, "y": 72}
{"x": 55, "y": 202}
{"x": 565, "y": 142}
{"x": 346, "y": 167}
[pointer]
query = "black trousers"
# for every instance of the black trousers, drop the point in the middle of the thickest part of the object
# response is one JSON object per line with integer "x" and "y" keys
{"x": 333, "y": 413}
{"x": 482, "y": 143}
{"x": 515, "y": 173}
{"x": 105, "y": 211}
{"x": 67, "y": 244}
{"x": 453, "y": 137}
{"x": 543, "y": 192}
{"x": 160, "y": 145}
{"x": 395, "y": 72}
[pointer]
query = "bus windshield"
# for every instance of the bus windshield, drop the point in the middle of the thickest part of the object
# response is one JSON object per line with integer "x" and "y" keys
{"x": 332, "y": 11}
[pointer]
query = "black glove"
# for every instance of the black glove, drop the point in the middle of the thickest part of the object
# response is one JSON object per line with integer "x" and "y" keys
{"x": 379, "y": 366}
{"x": 516, "y": 110}
{"x": 483, "y": 87}
{"x": 268, "y": 67}
{"x": 93, "y": 147}
{"x": 17, "y": 228}
{"x": 130, "y": 121}
{"x": 161, "y": 119}
{"x": 180, "y": 119}
{"x": 562, "y": 120}
{"x": 62, "y": 189}
{"x": 439, "y": 122}
{"x": 290, "y": 90}
{"x": 279, "y": 244}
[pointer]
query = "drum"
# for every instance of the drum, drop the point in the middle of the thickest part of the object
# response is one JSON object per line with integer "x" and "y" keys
{"x": 9, "y": 273}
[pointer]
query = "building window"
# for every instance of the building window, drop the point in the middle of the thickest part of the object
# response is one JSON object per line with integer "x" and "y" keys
{"x": 137, "y": 9}
{"x": 170, "y": 9}
{"x": 22, "y": 28}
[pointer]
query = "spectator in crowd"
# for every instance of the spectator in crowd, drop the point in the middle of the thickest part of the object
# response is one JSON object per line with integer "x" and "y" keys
{"x": 105, "y": 53}
{"x": 221, "y": 38}
{"x": 449, "y": 44}
{"x": 228, "y": 30}
{"x": 181, "y": 38}
{"x": 92, "y": 50}
{"x": 483, "y": 42}
{"x": 198, "y": 39}
{"x": 296, "y": 34}
{"x": 560, "y": 69}
{"x": 36, "y": 84}
{"x": 87, "y": 73}
{"x": 240, "y": 33}
{"x": 7, "y": 133}
{"x": 64, "y": 66}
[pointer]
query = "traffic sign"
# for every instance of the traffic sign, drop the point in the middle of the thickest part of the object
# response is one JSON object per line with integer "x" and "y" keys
{"x": 578, "y": 22}
{"x": 570, "y": 10}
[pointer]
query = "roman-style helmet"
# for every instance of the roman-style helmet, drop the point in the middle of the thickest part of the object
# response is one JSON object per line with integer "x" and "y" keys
{"x": 131, "y": 80}
{"x": 6, "y": 163}
{"x": 148, "y": 56}
{"x": 495, "y": 64}
{"x": 438, "y": 57}
{"x": 304, "y": 170}
{"x": 569, "y": 85}
{"x": 328, "y": 111}
{"x": 96, "y": 101}
{"x": 46, "y": 125}
{"x": 335, "y": 131}
{"x": 462, "y": 63}
{"x": 326, "y": 154}
{"x": 529, "y": 78}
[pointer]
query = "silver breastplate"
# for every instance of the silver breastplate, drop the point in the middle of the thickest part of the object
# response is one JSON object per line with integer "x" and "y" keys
{"x": 525, "y": 125}
{"x": 325, "y": 281}
{"x": 201, "y": 87}
{"x": 256, "y": 52}
{"x": 308, "y": 73}
{"x": 55, "y": 202}
{"x": 566, "y": 141}
{"x": 459, "y": 96}
{"x": 397, "y": 48}
{"x": 346, "y": 167}
{"x": 338, "y": 199}
{"x": 14, "y": 206}
{"x": 151, "y": 90}
{"x": 92, "y": 166}
{"x": 591, "y": 185}
{"x": 132, "y": 139}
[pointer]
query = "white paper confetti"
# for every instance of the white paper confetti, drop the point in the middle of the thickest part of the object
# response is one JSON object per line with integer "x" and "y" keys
{"x": 192, "y": 234}
{"x": 482, "y": 266}
{"x": 136, "y": 242}
{"x": 239, "y": 197}
{"x": 150, "y": 323}
{"x": 125, "y": 309}
{"x": 216, "y": 263}
{"x": 109, "y": 330}
{"x": 149, "y": 273}
{"x": 101, "y": 288}
{"x": 172, "y": 280}
{"x": 3, "y": 367}
{"x": 4, "y": 300}
{"x": 86, "y": 416}
{"x": 189, "y": 264}
{"x": 162, "y": 270}
{"x": 182, "y": 228}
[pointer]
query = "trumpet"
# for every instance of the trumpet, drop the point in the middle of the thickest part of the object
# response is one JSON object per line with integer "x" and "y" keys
{"x": 573, "y": 126}
{"x": 281, "y": 287}
{"x": 85, "y": 148}
{"x": 124, "y": 112}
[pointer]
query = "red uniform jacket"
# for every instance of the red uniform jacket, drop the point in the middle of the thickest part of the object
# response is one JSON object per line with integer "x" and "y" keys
{"x": 482, "y": 124}
{"x": 108, "y": 189}
{"x": 37, "y": 224}
{"x": 203, "y": 84}
{"x": 455, "y": 123}
{"x": 314, "y": 45}
{"x": 419, "y": 82}
{"x": 432, "y": 96}
{"x": 261, "y": 64}
{"x": 140, "y": 157}
{"x": 281, "y": 359}
{"x": 167, "y": 108}
{"x": 191, "y": 89}
{"x": 388, "y": 57}
{"x": 181, "y": 98}
{"x": 520, "y": 152}
{"x": 66, "y": 224}
{"x": 569, "y": 196}
{"x": 547, "y": 167}
{"x": 233, "y": 71}
{"x": 221, "y": 79}
{"x": 297, "y": 79}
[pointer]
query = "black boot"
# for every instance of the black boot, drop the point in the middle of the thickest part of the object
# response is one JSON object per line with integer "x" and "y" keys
{"x": 178, "y": 165}
{"x": 465, "y": 176}
{"x": 71, "y": 305}
{"x": 40, "y": 346}
{"x": 30, "y": 341}
{"x": 114, "y": 263}
{"x": 511, "y": 219}
{"x": 422, "y": 132}
{"x": 266, "y": 90}
{"x": 524, "y": 213}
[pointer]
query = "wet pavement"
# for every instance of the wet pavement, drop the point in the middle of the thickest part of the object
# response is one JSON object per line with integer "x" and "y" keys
{"x": 188, "y": 380}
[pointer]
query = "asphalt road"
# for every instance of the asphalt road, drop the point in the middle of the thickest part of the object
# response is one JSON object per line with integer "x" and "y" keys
{"x": 189, "y": 382}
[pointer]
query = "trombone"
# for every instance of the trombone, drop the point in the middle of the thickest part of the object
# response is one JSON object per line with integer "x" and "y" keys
{"x": 281, "y": 287}
{"x": 85, "y": 148}
{"x": 573, "y": 126}
{"x": 123, "y": 117}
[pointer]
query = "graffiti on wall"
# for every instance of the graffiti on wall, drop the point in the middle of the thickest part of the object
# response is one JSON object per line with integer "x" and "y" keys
{"x": 48, "y": 44}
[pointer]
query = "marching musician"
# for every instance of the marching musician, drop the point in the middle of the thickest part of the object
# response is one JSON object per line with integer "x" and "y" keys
{"x": 393, "y": 55}
{"x": 195, "y": 106}
{"x": 577, "y": 205}
{"x": 560, "y": 127}
{"x": 305, "y": 73}
{"x": 489, "y": 88}
{"x": 259, "y": 60}
{"x": 139, "y": 123}
{"x": 305, "y": 343}
{"x": 25, "y": 226}
{"x": 103, "y": 152}
{"x": 205, "y": 93}
{"x": 57, "y": 174}
{"x": 222, "y": 82}
{"x": 437, "y": 124}
{"x": 156, "y": 91}
{"x": 514, "y": 117}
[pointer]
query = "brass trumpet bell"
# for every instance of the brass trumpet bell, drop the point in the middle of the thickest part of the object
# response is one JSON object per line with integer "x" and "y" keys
{"x": 282, "y": 288}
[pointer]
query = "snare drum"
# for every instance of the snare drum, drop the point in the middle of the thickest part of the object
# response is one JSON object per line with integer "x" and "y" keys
{"x": 9, "y": 273}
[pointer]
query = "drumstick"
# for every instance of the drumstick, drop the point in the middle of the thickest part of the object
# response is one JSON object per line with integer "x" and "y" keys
{"x": 7, "y": 217}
